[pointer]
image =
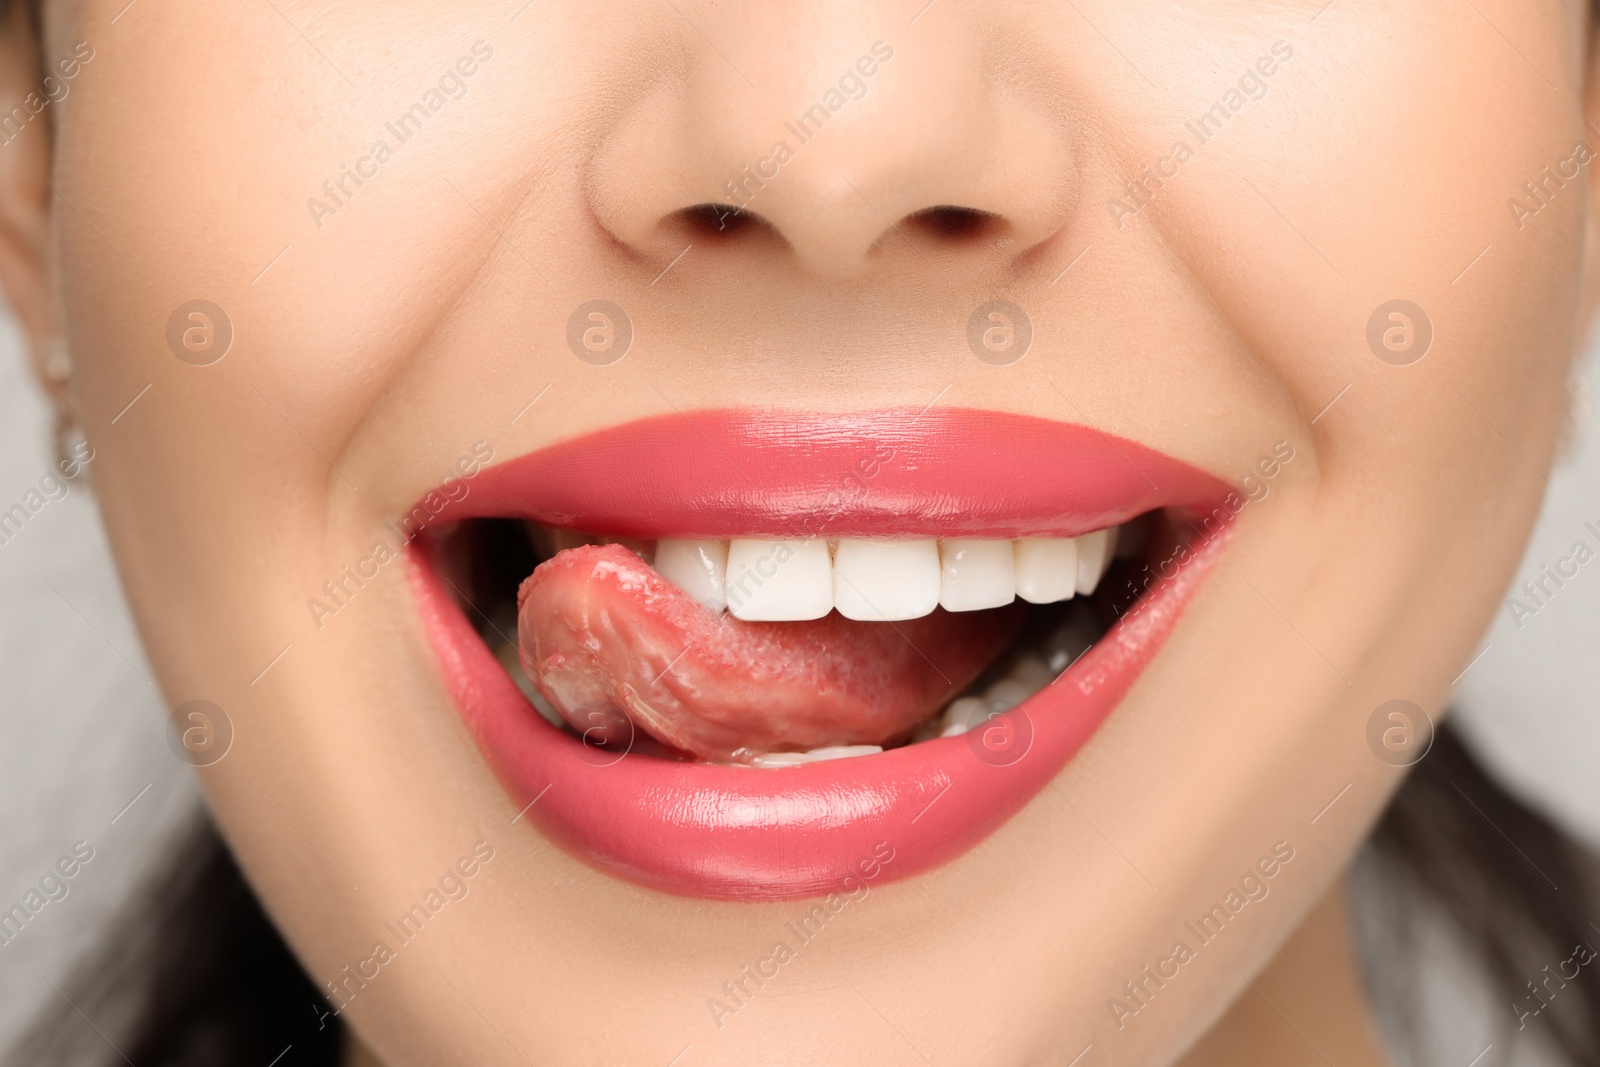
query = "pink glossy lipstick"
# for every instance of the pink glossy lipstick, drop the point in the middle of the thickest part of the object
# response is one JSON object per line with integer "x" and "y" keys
{"x": 641, "y": 797}
{"x": 941, "y": 473}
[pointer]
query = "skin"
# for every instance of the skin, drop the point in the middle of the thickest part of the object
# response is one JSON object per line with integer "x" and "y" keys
{"x": 1307, "y": 1007}
{"x": 420, "y": 318}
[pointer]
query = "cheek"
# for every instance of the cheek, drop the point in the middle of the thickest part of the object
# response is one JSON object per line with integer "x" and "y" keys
{"x": 213, "y": 206}
{"x": 1433, "y": 408}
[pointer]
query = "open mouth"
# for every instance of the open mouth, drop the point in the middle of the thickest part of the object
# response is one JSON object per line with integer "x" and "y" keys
{"x": 741, "y": 656}
{"x": 774, "y": 653}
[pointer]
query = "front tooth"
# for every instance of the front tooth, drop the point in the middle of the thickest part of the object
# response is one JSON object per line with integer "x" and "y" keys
{"x": 699, "y": 568}
{"x": 779, "y": 581}
{"x": 1094, "y": 556}
{"x": 975, "y": 575}
{"x": 1047, "y": 568}
{"x": 882, "y": 581}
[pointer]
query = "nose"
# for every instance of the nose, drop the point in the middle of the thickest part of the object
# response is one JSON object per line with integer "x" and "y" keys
{"x": 838, "y": 147}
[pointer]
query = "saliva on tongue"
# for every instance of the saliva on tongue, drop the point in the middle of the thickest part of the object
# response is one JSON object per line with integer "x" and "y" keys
{"x": 607, "y": 640}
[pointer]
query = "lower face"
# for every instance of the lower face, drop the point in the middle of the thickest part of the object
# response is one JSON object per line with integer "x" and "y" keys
{"x": 1092, "y": 634}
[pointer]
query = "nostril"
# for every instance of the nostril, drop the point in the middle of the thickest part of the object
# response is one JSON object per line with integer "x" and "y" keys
{"x": 948, "y": 222}
{"x": 739, "y": 229}
{"x": 720, "y": 220}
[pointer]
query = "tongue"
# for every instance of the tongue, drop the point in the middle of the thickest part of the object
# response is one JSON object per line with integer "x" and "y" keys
{"x": 608, "y": 640}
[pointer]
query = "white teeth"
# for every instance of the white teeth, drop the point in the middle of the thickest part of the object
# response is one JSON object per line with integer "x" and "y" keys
{"x": 962, "y": 715}
{"x": 1094, "y": 556}
{"x": 1064, "y": 645}
{"x": 699, "y": 568}
{"x": 974, "y": 575}
{"x": 779, "y": 581}
{"x": 1025, "y": 677}
{"x": 1007, "y": 693}
{"x": 879, "y": 581}
{"x": 873, "y": 580}
{"x": 816, "y": 755}
{"x": 1033, "y": 672}
{"x": 883, "y": 581}
{"x": 1047, "y": 568}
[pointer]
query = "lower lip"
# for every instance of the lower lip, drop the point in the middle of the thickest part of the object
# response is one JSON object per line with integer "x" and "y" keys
{"x": 734, "y": 833}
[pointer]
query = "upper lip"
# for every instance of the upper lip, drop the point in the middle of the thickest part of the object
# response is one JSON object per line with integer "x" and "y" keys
{"x": 945, "y": 472}
{"x": 718, "y": 831}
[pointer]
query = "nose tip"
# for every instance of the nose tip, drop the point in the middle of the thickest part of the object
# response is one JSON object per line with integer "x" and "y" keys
{"x": 909, "y": 151}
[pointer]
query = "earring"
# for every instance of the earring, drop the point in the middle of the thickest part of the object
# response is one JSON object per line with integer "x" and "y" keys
{"x": 56, "y": 369}
{"x": 57, "y": 361}
{"x": 1580, "y": 408}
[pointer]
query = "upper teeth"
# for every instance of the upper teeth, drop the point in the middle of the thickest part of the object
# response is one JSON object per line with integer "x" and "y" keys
{"x": 779, "y": 581}
{"x": 697, "y": 567}
{"x": 884, "y": 580}
{"x": 978, "y": 574}
{"x": 880, "y": 581}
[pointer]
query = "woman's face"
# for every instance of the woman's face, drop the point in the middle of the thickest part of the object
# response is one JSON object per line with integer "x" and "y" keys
{"x": 1205, "y": 215}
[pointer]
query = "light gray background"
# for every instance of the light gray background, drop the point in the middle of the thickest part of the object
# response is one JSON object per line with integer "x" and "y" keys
{"x": 83, "y": 753}
{"x": 82, "y": 729}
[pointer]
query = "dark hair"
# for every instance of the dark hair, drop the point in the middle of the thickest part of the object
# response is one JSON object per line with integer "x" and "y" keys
{"x": 206, "y": 980}
{"x": 194, "y": 975}
{"x": 1517, "y": 891}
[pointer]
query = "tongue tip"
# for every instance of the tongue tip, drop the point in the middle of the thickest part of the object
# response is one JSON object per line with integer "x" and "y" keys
{"x": 583, "y": 557}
